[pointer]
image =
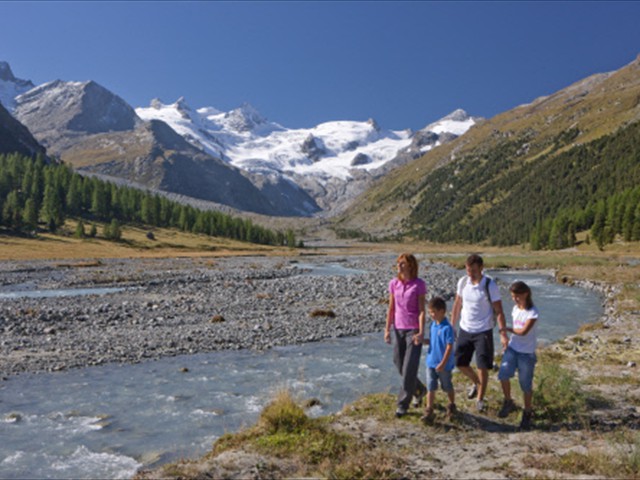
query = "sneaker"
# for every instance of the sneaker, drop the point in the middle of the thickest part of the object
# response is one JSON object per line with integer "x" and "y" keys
{"x": 525, "y": 423}
{"x": 401, "y": 412}
{"x": 428, "y": 415}
{"x": 451, "y": 410}
{"x": 417, "y": 400}
{"x": 472, "y": 392}
{"x": 508, "y": 406}
{"x": 480, "y": 406}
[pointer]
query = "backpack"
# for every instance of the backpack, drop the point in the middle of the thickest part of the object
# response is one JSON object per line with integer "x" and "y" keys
{"x": 486, "y": 288}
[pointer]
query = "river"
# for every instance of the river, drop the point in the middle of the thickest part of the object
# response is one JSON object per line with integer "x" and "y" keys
{"x": 111, "y": 420}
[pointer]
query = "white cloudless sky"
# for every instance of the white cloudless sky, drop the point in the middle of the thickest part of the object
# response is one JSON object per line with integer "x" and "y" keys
{"x": 405, "y": 64}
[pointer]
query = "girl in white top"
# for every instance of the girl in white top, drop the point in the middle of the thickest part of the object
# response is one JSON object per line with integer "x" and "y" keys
{"x": 521, "y": 352}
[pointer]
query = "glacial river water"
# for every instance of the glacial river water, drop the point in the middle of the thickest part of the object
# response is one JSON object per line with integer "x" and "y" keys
{"x": 109, "y": 421}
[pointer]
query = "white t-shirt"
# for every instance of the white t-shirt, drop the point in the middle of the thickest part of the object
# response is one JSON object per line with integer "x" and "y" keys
{"x": 524, "y": 343}
{"x": 477, "y": 310}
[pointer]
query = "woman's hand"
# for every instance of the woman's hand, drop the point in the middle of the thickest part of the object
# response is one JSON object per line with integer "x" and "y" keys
{"x": 387, "y": 336}
{"x": 418, "y": 338}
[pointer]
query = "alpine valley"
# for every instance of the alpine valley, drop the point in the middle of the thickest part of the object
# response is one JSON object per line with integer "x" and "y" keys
{"x": 237, "y": 159}
{"x": 540, "y": 173}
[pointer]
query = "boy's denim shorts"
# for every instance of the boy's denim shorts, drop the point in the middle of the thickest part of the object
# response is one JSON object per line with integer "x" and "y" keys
{"x": 445, "y": 380}
{"x": 525, "y": 364}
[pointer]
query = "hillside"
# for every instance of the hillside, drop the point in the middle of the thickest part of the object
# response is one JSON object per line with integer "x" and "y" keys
{"x": 16, "y": 138}
{"x": 477, "y": 179}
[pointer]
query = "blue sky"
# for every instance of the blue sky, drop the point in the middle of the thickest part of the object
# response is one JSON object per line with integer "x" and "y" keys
{"x": 405, "y": 64}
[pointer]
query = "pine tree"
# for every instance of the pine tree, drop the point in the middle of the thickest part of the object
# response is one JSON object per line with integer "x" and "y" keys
{"x": 74, "y": 195}
{"x": 30, "y": 214}
{"x": 52, "y": 209}
{"x": 12, "y": 210}
{"x": 597, "y": 230}
{"x": 80, "y": 233}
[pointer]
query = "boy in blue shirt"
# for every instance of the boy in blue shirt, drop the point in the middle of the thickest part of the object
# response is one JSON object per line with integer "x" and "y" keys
{"x": 440, "y": 359}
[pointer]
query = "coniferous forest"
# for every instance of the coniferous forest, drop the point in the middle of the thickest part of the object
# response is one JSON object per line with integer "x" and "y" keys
{"x": 37, "y": 195}
{"x": 502, "y": 200}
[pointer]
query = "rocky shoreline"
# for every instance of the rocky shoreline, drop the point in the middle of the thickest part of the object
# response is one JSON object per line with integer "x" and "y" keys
{"x": 171, "y": 307}
{"x": 601, "y": 357}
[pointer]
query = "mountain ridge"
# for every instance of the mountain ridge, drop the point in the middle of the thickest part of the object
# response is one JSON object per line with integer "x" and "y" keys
{"x": 442, "y": 180}
{"x": 299, "y": 172}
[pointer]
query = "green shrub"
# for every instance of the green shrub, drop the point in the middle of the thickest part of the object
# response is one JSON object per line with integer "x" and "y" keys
{"x": 558, "y": 397}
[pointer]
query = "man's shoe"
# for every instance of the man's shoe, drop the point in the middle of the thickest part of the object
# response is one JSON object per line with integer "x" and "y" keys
{"x": 401, "y": 412}
{"x": 525, "y": 423}
{"x": 508, "y": 406}
{"x": 451, "y": 410}
{"x": 417, "y": 400}
{"x": 472, "y": 392}
{"x": 480, "y": 406}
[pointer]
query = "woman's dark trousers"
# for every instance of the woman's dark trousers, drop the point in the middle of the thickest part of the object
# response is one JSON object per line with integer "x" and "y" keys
{"x": 406, "y": 357}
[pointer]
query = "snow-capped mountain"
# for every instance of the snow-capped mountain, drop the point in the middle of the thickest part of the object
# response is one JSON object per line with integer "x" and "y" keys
{"x": 296, "y": 171}
{"x": 320, "y": 159}
{"x": 96, "y": 131}
{"x": 245, "y": 139}
{"x": 11, "y": 87}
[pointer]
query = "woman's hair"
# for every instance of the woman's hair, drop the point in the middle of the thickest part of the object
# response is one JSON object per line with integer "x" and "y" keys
{"x": 412, "y": 262}
{"x": 519, "y": 288}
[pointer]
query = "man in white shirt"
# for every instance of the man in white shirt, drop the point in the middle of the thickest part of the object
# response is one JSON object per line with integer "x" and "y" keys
{"x": 477, "y": 300}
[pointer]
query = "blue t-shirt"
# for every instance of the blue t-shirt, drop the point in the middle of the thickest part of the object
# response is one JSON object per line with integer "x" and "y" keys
{"x": 441, "y": 334}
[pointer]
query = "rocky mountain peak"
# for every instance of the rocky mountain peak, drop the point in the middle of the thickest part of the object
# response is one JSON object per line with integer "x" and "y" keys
{"x": 5, "y": 72}
{"x": 458, "y": 115}
{"x": 10, "y": 86}
{"x": 374, "y": 124}
{"x": 183, "y": 108}
{"x": 156, "y": 104}
{"x": 245, "y": 118}
{"x": 58, "y": 111}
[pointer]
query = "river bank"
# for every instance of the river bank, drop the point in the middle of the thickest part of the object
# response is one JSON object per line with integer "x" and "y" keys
{"x": 166, "y": 307}
{"x": 601, "y": 359}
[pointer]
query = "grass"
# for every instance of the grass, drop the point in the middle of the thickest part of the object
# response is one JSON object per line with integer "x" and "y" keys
{"x": 310, "y": 445}
{"x": 558, "y": 397}
{"x": 135, "y": 244}
{"x": 620, "y": 459}
{"x": 630, "y": 380}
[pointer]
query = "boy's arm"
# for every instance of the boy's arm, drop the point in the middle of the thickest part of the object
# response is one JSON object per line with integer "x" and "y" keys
{"x": 445, "y": 357}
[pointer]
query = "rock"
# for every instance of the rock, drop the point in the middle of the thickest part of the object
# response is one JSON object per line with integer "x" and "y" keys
{"x": 360, "y": 159}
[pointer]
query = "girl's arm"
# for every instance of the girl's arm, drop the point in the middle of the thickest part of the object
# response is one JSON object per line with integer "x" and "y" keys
{"x": 390, "y": 316}
{"x": 417, "y": 339}
{"x": 528, "y": 325}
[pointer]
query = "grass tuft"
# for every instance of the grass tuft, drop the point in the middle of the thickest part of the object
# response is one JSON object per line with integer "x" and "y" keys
{"x": 558, "y": 397}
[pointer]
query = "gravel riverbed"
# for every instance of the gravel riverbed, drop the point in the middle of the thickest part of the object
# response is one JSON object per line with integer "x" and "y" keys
{"x": 171, "y": 307}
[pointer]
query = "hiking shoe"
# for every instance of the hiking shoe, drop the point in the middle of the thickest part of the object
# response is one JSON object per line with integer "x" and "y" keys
{"x": 451, "y": 410}
{"x": 417, "y": 400}
{"x": 525, "y": 423}
{"x": 508, "y": 406}
{"x": 428, "y": 415}
{"x": 480, "y": 406}
{"x": 472, "y": 392}
{"x": 401, "y": 412}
